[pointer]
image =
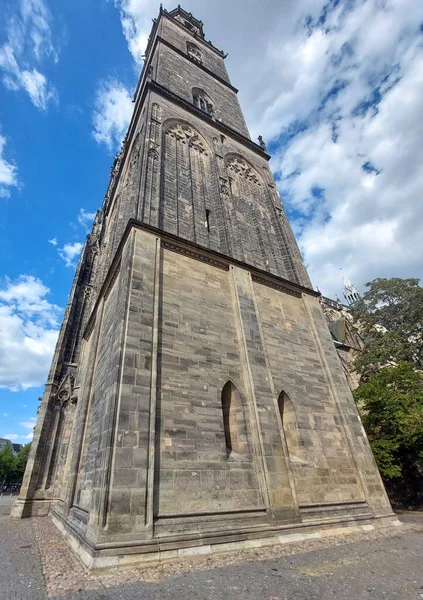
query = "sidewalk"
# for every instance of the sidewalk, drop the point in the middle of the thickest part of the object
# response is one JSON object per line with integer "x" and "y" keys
{"x": 36, "y": 564}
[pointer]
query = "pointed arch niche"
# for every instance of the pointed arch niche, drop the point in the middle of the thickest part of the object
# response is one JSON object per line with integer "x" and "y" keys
{"x": 234, "y": 423}
{"x": 246, "y": 202}
{"x": 187, "y": 185}
{"x": 289, "y": 420}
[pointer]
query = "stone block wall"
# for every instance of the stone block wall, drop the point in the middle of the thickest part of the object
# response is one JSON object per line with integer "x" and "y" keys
{"x": 178, "y": 37}
{"x": 176, "y": 325}
{"x": 199, "y": 352}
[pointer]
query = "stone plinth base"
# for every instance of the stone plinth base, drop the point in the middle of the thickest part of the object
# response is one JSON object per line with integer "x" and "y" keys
{"x": 166, "y": 549}
{"x": 30, "y": 508}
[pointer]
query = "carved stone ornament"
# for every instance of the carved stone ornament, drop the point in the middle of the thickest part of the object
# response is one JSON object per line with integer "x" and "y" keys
{"x": 135, "y": 152}
{"x": 65, "y": 390}
{"x": 156, "y": 112}
{"x": 63, "y": 396}
{"x": 224, "y": 187}
{"x": 238, "y": 166}
{"x": 194, "y": 53}
{"x": 186, "y": 135}
{"x": 87, "y": 291}
{"x": 152, "y": 153}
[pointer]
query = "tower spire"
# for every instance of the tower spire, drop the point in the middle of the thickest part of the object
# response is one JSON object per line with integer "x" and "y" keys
{"x": 350, "y": 290}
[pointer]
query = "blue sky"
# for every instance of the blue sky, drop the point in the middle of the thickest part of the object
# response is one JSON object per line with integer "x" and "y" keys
{"x": 334, "y": 87}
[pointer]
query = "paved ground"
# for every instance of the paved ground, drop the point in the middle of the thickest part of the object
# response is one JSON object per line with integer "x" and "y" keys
{"x": 373, "y": 566}
{"x": 21, "y": 576}
{"x": 6, "y": 501}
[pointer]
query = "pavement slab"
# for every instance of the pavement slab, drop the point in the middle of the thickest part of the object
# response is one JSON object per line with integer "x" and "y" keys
{"x": 21, "y": 575}
{"x": 379, "y": 565}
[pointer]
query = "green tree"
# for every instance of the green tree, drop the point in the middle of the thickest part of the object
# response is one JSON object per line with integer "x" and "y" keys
{"x": 390, "y": 317}
{"x": 7, "y": 465}
{"x": 20, "y": 462}
{"x": 391, "y": 402}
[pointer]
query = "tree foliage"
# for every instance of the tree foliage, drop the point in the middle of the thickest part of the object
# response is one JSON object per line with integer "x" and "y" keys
{"x": 390, "y": 318}
{"x": 391, "y": 403}
{"x": 12, "y": 468}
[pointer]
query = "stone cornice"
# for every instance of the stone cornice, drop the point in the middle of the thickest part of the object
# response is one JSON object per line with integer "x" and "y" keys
{"x": 177, "y": 244}
{"x": 221, "y": 261}
{"x": 269, "y": 282}
{"x": 195, "y": 254}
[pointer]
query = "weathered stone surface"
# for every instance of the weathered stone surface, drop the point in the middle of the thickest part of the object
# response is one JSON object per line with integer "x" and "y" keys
{"x": 195, "y": 397}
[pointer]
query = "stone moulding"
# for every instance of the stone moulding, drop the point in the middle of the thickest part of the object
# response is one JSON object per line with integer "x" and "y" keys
{"x": 196, "y": 252}
{"x": 156, "y": 550}
{"x": 221, "y": 261}
{"x": 276, "y": 286}
{"x": 112, "y": 280}
{"x": 157, "y": 87}
{"x": 181, "y": 249}
{"x": 90, "y": 327}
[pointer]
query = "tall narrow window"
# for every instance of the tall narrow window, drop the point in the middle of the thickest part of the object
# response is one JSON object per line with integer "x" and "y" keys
{"x": 202, "y": 101}
{"x": 207, "y": 221}
{"x": 289, "y": 421}
{"x": 234, "y": 423}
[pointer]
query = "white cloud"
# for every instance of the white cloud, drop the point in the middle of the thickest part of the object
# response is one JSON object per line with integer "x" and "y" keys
{"x": 28, "y": 42}
{"x": 112, "y": 112}
{"x": 69, "y": 252}
{"x": 354, "y": 173}
{"x": 29, "y": 424}
{"x": 135, "y": 17}
{"x": 85, "y": 219}
{"x": 10, "y": 436}
{"x": 18, "y": 438}
{"x": 53, "y": 242}
{"x": 29, "y": 326}
{"x": 8, "y": 172}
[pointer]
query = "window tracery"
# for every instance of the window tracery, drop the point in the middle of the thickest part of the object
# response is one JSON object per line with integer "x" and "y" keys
{"x": 186, "y": 135}
{"x": 238, "y": 166}
{"x": 202, "y": 101}
{"x": 194, "y": 53}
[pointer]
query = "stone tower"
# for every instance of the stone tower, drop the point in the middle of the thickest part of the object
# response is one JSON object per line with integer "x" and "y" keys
{"x": 195, "y": 396}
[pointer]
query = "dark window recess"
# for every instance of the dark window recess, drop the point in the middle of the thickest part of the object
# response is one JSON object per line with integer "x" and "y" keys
{"x": 234, "y": 423}
{"x": 203, "y": 103}
{"x": 207, "y": 221}
{"x": 288, "y": 418}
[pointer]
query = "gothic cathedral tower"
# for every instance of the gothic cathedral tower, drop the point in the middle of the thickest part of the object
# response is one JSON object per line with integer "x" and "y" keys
{"x": 195, "y": 397}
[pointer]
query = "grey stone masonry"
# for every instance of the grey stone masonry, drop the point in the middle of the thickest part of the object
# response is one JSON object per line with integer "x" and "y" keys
{"x": 195, "y": 396}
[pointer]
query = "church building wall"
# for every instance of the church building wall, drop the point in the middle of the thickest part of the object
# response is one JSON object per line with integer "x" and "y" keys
{"x": 179, "y": 37}
{"x": 195, "y": 396}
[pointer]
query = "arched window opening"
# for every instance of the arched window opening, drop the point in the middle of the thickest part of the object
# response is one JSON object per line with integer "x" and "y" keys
{"x": 202, "y": 101}
{"x": 234, "y": 423}
{"x": 290, "y": 426}
{"x": 156, "y": 112}
{"x": 222, "y": 138}
{"x": 60, "y": 419}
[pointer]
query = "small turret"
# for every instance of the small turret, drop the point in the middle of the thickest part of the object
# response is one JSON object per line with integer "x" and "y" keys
{"x": 350, "y": 291}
